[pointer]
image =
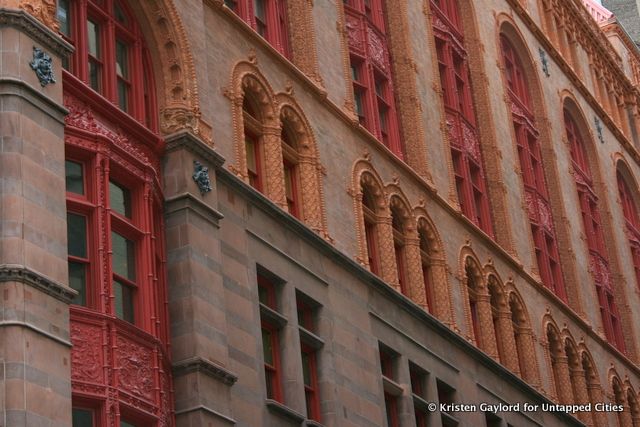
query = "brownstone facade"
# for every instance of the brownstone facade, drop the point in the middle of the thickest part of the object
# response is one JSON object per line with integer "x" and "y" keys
{"x": 312, "y": 275}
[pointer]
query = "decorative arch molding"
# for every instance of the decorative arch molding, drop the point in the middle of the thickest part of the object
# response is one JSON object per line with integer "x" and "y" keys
{"x": 365, "y": 175}
{"x": 437, "y": 268}
{"x": 477, "y": 299}
{"x": 557, "y": 361}
{"x": 619, "y": 397}
{"x": 311, "y": 170}
{"x": 577, "y": 375}
{"x": 507, "y": 27}
{"x": 523, "y": 337}
{"x": 632, "y": 403}
{"x": 501, "y": 319}
{"x": 248, "y": 81}
{"x": 594, "y": 388}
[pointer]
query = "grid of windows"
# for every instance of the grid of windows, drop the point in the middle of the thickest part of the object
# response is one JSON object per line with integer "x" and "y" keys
{"x": 460, "y": 114}
{"x": 371, "y": 71}
{"x": 536, "y": 193}
{"x": 593, "y": 229}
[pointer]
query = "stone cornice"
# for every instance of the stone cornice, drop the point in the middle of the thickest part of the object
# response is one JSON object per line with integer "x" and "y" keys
{"x": 199, "y": 364}
{"x": 36, "y": 30}
{"x": 22, "y": 274}
{"x": 192, "y": 203}
{"x": 194, "y": 144}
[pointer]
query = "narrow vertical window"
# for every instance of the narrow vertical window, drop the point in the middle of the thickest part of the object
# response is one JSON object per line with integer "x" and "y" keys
{"x": 472, "y": 290}
{"x": 310, "y": 345}
{"x": 270, "y": 338}
{"x": 122, "y": 73}
{"x": 460, "y": 114}
{"x": 387, "y": 362}
{"x": 290, "y": 160}
{"x": 425, "y": 262}
{"x": 370, "y": 230}
{"x": 536, "y": 193}
{"x": 399, "y": 249}
{"x": 253, "y": 145}
{"x": 95, "y": 55}
{"x": 371, "y": 72}
{"x": 124, "y": 276}
{"x": 78, "y": 256}
{"x": 268, "y": 18}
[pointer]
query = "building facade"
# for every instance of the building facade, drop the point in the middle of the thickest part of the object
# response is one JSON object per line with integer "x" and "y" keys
{"x": 314, "y": 213}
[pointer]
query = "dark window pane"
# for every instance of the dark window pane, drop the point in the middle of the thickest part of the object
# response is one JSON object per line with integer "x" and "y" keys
{"x": 267, "y": 347}
{"x": 82, "y": 418}
{"x": 64, "y": 17}
{"x": 123, "y": 257}
{"x": 124, "y": 423}
{"x": 74, "y": 177}
{"x": 306, "y": 368}
{"x": 122, "y": 63}
{"x": 123, "y": 301}
{"x": 77, "y": 235}
{"x": 119, "y": 14}
{"x": 123, "y": 95}
{"x": 263, "y": 295}
{"x": 78, "y": 282}
{"x": 120, "y": 198}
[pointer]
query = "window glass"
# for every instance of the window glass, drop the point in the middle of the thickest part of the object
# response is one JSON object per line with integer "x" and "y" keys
{"x": 78, "y": 282}
{"x": 259, "y": 12}
{"x": 64, "y": 17}
{"x": 120, "y": 15}
{"x": 267, "y": 347}
{"x": 82, "y": 417}
{"x": 122, "y": 71}
{"x": 123, "y": 257}
{"x": 124, "y": 423}
{"x": 74, "y": 177}
{"x": 93, "y": 42}
{"x": 306, "y": 368}
{"x": 120, "y": 198}
{"x": 77, "y": 235}
{"x": 123, "y": 301}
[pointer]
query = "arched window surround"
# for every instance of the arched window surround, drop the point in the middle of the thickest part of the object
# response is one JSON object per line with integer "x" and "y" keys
{"x": 523, "y": 337}
{"x": 594, "y": 388}
{"x": 437, "y": 290}
{"x": 275, "y": 113}
{"x": 557, "y": 362}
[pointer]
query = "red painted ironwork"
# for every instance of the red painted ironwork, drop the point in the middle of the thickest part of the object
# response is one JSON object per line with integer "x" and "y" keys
{"x": 268, "y": 18}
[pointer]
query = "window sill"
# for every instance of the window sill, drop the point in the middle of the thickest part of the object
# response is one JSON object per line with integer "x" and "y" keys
{"x": 419, "y": 402}
{"x": 448, "y": 420}
{"x": 283, "y": 410}
{"x": 311, "y": 339}
{"x": 312, "y": 423}
{"x": 272, "y": 316}
{"x": 391, "y": 387}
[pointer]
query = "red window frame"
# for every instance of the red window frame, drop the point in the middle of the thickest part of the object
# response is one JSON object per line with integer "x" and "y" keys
{"x": 253, "y": 146}
{"x": 391, "y": 408}
{"x": 399, "y": 249}
{"x": 530, "y": 157}
{"x": 461, "y": 118}
{"x": 306, "y": 316}
{"x": 599, "y": 263}
{"x": 273, "y": 27}
{"x": 290, "y": 161}
{"x": 311, "y": 390}
{"x": 140, "y": 101}
{"x": 371, "y": 75}
{"x": 272, "y": 370}
{"x": 370, "y": 232}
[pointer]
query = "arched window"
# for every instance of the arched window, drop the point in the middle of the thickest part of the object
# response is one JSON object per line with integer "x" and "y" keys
{"x": 290, "y": 160}
{"x": 634, "y": 407}
{"x": 619, "y": 398}
{"x": 593, "y": 229}
{"x": 559, "y": 366}
{"x": 496, "y": 299}
{"x": 268, "y": 18}
{"x": 576, "y": 375}
{"x": 425, "y": 262}
{"x": 110, "y": 55}
{"x": 460, "y": 113}
{"x": 523, "y": 338}
{"x": 371, "y": 71}
{"x": 473, "y": 278}
{"x": 594, "y": 390}
{"x": 371, "y": 229}
{"x": 536, "y": 193}
{"x": 253, "y": 144}
{"x": 631, "y": 219}
{"x": 399, "y": 243}
{"x": 115, "y": 230}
